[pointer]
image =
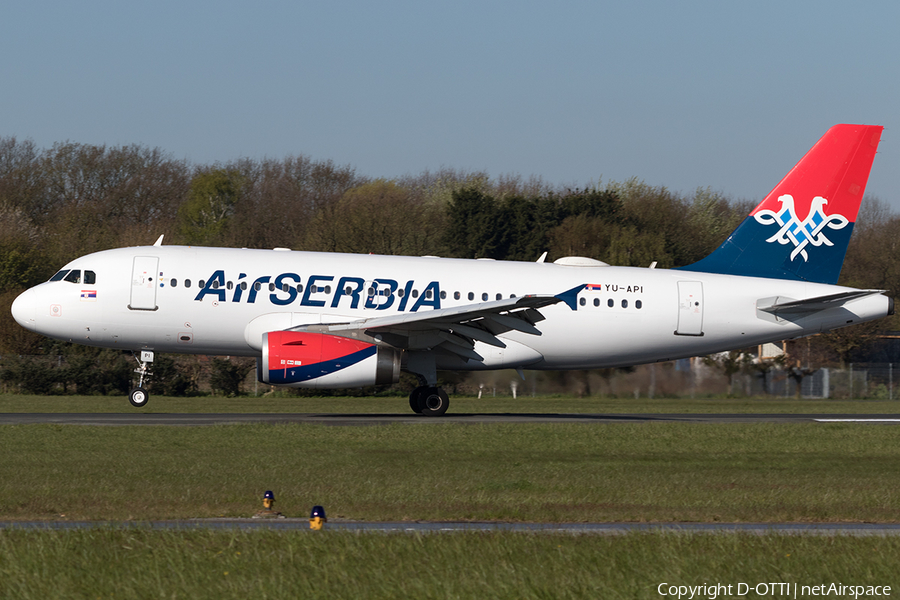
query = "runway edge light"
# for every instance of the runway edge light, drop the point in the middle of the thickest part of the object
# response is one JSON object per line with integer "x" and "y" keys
{"x": 317, "y": 518}
{"x": 268, "y": 507}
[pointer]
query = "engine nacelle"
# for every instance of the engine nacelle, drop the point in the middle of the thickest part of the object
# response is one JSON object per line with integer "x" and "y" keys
{"x": 319, "y": 360}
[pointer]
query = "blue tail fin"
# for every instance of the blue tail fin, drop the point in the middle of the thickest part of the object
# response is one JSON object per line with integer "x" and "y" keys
{"x": 802, "y": 228}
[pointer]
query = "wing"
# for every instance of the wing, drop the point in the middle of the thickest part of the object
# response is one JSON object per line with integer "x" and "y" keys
{"x": 453, "y": 329}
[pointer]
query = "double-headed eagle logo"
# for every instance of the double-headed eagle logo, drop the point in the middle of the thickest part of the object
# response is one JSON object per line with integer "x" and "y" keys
{"x": 801, "y": 233}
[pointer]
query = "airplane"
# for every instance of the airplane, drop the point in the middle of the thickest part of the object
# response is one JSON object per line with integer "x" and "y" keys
{"x": 329, "y": 320}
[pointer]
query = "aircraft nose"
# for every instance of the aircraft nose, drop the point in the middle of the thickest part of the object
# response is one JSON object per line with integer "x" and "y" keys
{"x": 24, "y": 309}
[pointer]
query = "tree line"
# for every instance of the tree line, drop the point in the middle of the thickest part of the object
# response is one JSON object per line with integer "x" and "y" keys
{"x": 71, "y": 199}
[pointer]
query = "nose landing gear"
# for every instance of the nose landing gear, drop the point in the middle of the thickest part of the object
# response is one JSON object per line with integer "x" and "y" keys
{"x": 139, "y": 395}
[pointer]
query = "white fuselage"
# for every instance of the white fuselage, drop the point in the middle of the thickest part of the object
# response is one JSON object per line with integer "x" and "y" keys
{"x": 625, "y": 316}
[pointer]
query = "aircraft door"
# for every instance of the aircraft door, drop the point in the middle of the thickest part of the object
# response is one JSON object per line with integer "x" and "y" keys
{"x": 690, "y": 308}
{"x": 143, "y": 283}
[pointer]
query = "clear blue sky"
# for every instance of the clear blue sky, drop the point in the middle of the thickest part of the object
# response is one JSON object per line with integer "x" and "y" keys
{"x": 683, "y": 94}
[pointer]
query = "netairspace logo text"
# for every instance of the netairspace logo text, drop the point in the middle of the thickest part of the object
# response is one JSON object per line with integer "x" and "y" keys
{"x": 771, "y": 590}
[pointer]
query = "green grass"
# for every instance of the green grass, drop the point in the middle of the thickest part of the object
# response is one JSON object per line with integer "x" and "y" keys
{"x": 534, "y": 472}
{"x": 107, "y": 563}
{"x": 17, "y": 403}
{"x": 550, "y": 472}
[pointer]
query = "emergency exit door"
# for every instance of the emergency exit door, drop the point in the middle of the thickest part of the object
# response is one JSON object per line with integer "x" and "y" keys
{"x": 143, "y": 283}
{"x": 690, "y": 308}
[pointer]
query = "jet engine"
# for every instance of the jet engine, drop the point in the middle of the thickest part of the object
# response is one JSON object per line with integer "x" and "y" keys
{"x": 319, "y": 360}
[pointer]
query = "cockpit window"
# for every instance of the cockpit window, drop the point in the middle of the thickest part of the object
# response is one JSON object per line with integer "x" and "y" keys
{"x": 90, "y": 278}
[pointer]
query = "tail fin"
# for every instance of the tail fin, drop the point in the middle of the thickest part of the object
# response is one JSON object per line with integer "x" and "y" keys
{"x": 802, "y": 228}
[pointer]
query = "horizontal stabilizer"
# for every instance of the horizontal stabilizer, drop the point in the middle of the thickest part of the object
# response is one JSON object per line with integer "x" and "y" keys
{"x": 811, "y": 305}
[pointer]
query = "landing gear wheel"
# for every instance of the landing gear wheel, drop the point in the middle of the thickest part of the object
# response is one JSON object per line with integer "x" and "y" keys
{"x": 415, "y": 399}
{"x": 434, "y": 402}
{"x": 138, "y": 397}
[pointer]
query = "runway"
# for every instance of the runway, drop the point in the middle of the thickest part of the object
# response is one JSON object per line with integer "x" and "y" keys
{"x": 361, "y": 419}
{"x": 413, "y": 527}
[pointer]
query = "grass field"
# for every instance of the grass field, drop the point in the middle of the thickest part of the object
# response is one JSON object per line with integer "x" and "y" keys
{"x": 17, "y": 403}
{"x": 231, "y": 564}
{"x": 525, "y": 472}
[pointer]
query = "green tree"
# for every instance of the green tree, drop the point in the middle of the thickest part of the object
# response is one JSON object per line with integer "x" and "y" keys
{"x": 293, "y": 189}
{"x": 378, "y": 217}
{"x": 631, "y": 248}
{"x": 167, "y": 379}
{"x": 472, "y": 222}
{"x": 580, "y": 235}
{"x": 205, "y": 215}
{"x": 226, "y": 376}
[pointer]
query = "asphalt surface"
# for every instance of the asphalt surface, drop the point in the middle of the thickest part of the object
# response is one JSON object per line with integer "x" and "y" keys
{"x": 821, "y": 529}
{"x": 196, "y": 419}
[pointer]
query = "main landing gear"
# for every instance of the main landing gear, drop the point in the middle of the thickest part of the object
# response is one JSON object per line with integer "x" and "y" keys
{"x": 429, "y": 401}
{"x": 139, "y": 395}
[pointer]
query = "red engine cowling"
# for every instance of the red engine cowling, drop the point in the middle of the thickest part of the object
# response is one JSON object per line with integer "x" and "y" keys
{"x": 319, "y": 360}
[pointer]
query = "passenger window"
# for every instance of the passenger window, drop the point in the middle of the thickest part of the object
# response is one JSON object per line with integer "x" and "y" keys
{"x": 456, "y": 295}
{"x": 610, "y": 303}
{"x": 90, "y": 277}
{"x": 285, "y": 287}
{"x": 443, "y": 295}
{"x": 582, "y": 301}
{"x": 243, "y": 285}
{"x": 257, "y": 286}
{"x": 638, "y": 304}
{"x": 484, "y": 296}
{"x": 59, "y": 275}
{"x": 499, "y": 296}
{"x": 215, "y": 284}
{"x": 401, "y": 292}
{"x": 174, "y": 283}
{"x": 271, "y": 287}
{"x": 415, "y": 293}
{"x": 299, "y": 287}
{"x": 471, "y": 296}
{"x": 428, "y": 294}
{"x": 73, "y": 276}
{"x": 327, "y": 289}
{"x": 596, "y": 301}
{"x": 202, "y": 283}
{"x": 229, "y": 285}
{"x": 624, "y": 303}
{"x": 187, "y": 283}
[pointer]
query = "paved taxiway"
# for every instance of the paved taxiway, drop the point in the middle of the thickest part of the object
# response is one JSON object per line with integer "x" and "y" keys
{"x": 821, "y": 529}
{"x": 194, "y": 419}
